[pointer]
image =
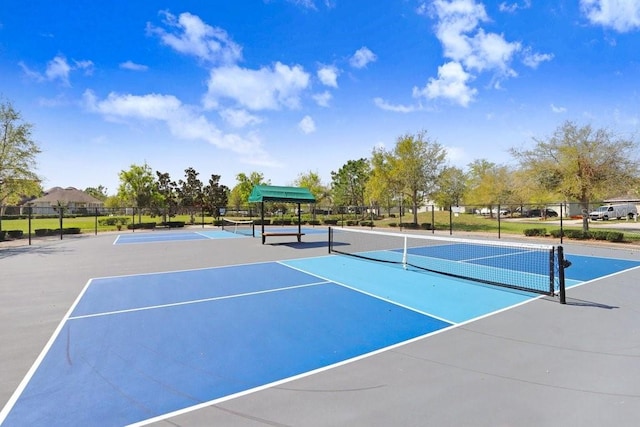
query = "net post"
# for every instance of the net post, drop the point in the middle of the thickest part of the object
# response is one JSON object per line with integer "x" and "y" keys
{"x": 330, "y": 239}
{"x": 552, "y": 282}
{"x": 404, "y": 254}
{"x": 561, "y": 267}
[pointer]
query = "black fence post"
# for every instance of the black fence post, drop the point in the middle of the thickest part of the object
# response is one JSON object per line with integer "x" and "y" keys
{"x": 96, "y": 223}
{"x": 61, "y": 214}
{"x": 433, "y": 219}
{"x": 499, "y": 223}
{"x": 562, "y": 221}
{"x": 29, "y": 213}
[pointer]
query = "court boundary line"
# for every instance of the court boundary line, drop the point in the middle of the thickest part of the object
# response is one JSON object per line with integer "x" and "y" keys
{"x": 196, "y": 301}
{"x": 161, "y": 233}
{"x": 36, "y": 364}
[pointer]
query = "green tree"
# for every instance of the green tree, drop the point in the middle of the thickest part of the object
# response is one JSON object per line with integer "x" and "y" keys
{"x": 165, "y": 201}
{"x": 18, "y": 153}
{"x": 490, "y": 185}
{"x": 99, "y": 192}
{"x": 137, "y": 186}
{"x": 582, "y": 163}
{"x": 216, "y": 195}
{"x": 382, "y": 187}
{"x": 312, "y": 182}
{"x": 190, "y": 192}
{"x": 417, "y": 165}
{"x": 453, "y": 186}
{"x": 348, "y": 184}
{"x": 244, "y": 185}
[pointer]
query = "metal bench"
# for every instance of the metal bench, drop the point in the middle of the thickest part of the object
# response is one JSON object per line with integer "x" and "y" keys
{"x": 273, "y": 233}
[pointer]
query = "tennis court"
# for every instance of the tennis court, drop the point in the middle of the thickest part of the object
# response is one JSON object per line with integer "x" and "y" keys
{"x": 161, "y": 344}
{"x": 204, "y": 234}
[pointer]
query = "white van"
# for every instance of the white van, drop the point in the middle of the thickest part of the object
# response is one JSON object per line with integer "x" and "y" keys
{"x": 623, "y": 210}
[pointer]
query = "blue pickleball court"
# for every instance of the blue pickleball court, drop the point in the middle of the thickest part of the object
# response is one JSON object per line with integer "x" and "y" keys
{"x": 133, "y": 349}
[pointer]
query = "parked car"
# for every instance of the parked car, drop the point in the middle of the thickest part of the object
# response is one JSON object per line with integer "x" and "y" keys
{"x": 541, "y": 213}
{"x": 618, "y": 211}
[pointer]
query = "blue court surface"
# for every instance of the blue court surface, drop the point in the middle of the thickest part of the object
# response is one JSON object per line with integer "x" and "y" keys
{"x": 133, "y": 349}
{"x": 182, "y": 236}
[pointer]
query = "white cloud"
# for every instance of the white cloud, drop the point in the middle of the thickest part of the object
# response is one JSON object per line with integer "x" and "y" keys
{"x": 58, "y": 69}
{"x": 384, "y": 105}
{"x": 264, "y": 89}
{"x": 307, "y": 125}
{"x": 184, "y": 122}
{"x": 471, "y": 50}
{"x": 328, "y": 75}
{"x": 558, "y": 109}
{"x": 239, "y": 118}
{"x": 451, "y": 84}
{"x": 130, "y": 65}
{"x": 362, "y": 57}
{"x": 514, "y": 7}
{"x": 322, "y": 99}
{"x": 464, "y": 42}
{"x": 621, "y": 15}
{"x": 189, "y": 35}
{"x": 532, "y": 59}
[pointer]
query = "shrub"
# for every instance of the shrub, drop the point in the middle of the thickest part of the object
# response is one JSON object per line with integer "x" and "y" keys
{"x": 314, "y": 222}
{"x": 113, "y": 220}
{"x": 174, "y": 224}
{"x": 578, "y": 234}
{"x": 425, "y": 226}
{"x": 615, "y": 236}
{"x": 142, "y": 225}
{"x": 330, "y": 222}
{"x": 258, "y": 222}
{"x": 366, "y": 223}
{"x": 410, "y": 225}
{"x": 71, "y": 230}
{"x": 535, "y": 232}
{"x": 557, "y": 233}
{"x": 281, "y": 221}
{"x": 15, "y": 234}
{"x": 599, "y": 234}
{"x": 3, "y": 234}
{"x": 352, "y": 222}
{"x": 41, "y": 232}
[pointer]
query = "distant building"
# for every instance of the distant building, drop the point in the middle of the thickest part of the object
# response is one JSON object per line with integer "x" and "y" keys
{"x": 72, "y": 200}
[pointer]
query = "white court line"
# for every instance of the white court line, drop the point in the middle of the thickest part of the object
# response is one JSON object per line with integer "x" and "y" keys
{"x": 197, "y": 301}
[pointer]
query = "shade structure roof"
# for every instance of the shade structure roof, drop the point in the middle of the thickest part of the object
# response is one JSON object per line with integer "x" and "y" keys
{"x": 271, "y": 193}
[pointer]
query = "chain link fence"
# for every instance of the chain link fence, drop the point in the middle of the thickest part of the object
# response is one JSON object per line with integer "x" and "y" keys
{"x": 615, "y": 222}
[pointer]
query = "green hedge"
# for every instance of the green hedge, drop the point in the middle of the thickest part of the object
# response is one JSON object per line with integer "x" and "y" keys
{"x": 142, "y": 225}
{"x": 15, "y": 234}
{"x": 173, "y": 224}
{"x": 535, "y": 232}
{"x": 425, "y": 226}
{"x": 366, "y": 223}
{"x": 114, "y": 220}
{"x": 410, "y": 225}
{"x": 330, "y": 221}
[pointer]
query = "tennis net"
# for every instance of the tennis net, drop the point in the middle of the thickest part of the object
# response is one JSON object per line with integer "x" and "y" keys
{"x": 246, "y": 227}
{"x": 526, "y": 267}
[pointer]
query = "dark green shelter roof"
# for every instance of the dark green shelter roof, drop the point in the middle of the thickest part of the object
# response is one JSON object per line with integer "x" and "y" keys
{"x": 271, "y": 193}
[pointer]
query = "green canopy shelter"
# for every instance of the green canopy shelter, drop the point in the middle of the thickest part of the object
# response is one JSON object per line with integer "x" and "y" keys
{"x": 271, "y": 193}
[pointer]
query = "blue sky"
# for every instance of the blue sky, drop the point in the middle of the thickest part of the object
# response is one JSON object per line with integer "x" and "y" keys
{"x": 284, "y": 87}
